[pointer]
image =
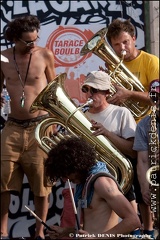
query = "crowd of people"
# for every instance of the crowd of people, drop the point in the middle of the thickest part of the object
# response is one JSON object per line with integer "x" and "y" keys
{"x": 104, "y": 210}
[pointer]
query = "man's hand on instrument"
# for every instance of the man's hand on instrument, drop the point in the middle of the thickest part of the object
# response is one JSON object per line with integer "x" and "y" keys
{"x": 98, "y": 129}
{"x": 121, "y": 95}
{"x": 106, "y": 69}
{"x": 53, "y": 131}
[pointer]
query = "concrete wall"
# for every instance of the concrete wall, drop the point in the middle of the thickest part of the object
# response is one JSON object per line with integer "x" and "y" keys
{"x": 154, "y": 27}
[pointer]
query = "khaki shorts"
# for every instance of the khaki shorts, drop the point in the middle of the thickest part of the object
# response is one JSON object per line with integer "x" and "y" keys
{"x": 21, "y": 155}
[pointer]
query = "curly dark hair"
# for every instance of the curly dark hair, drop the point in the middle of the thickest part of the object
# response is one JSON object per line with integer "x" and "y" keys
{"x": 16, "y": 27}
{"x": 70, "y": 155}
{"x": 118, "y": 26}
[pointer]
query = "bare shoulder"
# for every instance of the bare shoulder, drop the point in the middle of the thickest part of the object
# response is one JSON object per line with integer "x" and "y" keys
{"x": 105, "y": 179}
{"x": 47, "y": 53}
{"x": 6, "y": 57}
{"x": 106, "y": 188}
{"x": 105, "y": 183}
{"x": 7, "y": 52}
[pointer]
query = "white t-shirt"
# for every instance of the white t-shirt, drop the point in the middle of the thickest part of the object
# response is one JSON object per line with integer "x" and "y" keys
{"x": 116, "y": 119}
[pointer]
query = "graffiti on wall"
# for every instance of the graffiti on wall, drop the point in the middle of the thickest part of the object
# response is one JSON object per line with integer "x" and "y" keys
{"x": 21, "y": 222}
{"x": 75, "y": 13}
{"x": 81, "y": 19}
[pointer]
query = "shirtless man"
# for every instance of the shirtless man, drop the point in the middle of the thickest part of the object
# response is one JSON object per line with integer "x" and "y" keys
{"x": 28, "y": 70}
{"x": 75, "y": 159}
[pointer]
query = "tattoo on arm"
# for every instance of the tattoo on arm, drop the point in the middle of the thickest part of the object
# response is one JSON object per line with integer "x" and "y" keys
{"x": 110, "y": 189}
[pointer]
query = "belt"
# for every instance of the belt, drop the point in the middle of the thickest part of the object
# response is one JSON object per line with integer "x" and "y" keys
{"x": 28, "y": 122}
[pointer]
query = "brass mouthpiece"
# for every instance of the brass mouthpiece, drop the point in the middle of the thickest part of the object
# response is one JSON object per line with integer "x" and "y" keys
{"x": 88, "y": 103}
{"x": 123, "y": 52}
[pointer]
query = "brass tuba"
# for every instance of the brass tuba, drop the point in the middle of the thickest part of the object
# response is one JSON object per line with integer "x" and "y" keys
{"x": 119, "y": 73}
{"x": 57, "y": 102}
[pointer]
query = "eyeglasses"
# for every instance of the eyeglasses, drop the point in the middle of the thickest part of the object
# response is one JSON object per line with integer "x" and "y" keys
{"x": 29, "y": 43}
{"x": 154, "y": 96}
{"x": 92, "y": 90}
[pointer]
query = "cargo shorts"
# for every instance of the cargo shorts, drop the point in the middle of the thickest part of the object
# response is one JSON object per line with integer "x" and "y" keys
{"x": 21, "y": 154}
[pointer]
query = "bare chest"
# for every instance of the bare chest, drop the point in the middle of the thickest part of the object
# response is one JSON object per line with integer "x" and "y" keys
{"x": 26, "y": 69}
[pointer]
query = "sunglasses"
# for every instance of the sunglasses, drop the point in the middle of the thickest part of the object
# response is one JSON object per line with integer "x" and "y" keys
{"x": 28, "y": 43}
{"x": 92, "y": 90}
{"x": 154, "y": 96}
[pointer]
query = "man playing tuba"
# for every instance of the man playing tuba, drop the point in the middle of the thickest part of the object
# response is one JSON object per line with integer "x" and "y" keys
{"x": 122, "y": 37}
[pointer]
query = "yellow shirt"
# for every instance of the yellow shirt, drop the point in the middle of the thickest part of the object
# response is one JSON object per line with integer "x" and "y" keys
{"x": 145, "y": 67}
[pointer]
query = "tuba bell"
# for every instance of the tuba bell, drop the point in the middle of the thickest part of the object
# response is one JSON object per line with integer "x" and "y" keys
{"x": 119, "y": 73}
{"x": 64, "y": 112}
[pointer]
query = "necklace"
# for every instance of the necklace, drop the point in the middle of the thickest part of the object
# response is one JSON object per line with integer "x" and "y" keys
{"x": 22, "y": 99}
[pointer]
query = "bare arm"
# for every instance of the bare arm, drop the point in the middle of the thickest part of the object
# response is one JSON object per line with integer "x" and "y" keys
{"x": 2, "y": 82}
{"x": 142, "y": 167}
{"x": 124, "y": 145}
{"x": 107, "y": 189}
{"x": 50, "y": 75}
{"x": 50, "y": 69}
{"x": 123, "y": 94}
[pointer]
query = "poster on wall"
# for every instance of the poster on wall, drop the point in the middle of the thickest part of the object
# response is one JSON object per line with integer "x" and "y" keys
{"x": 65, "y": 28}
{"x": 66, "y": 42}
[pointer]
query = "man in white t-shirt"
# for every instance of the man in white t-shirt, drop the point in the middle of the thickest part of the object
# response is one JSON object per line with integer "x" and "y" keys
{"x": 114, "y": 122}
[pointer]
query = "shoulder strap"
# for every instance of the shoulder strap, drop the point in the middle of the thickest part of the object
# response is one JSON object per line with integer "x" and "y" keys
{"x": 93, "y": 179}
{"x": 83, "y": 203}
